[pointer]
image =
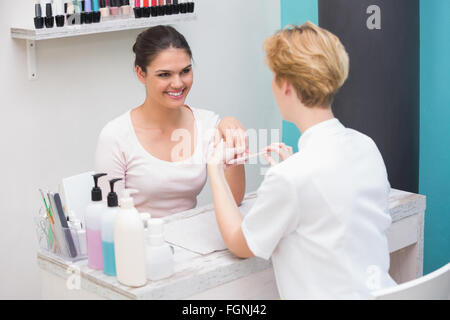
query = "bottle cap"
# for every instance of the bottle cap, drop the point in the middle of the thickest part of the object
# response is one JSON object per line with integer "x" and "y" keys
{"x": 155, "y": 231}
{"x": 126, "y": 201}
{"x": 96, "y": 193}
{"x": 74, "y": 222}
{"x": 112, "y": 196}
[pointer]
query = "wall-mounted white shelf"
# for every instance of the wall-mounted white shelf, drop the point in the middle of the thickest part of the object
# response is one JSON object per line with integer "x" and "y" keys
{"x": 31, "y": 35}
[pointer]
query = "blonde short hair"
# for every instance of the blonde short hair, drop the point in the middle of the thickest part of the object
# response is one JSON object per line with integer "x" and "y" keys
{"x": 312, "y": 59}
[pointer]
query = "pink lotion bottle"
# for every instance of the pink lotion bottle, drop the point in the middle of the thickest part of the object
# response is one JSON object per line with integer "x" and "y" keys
{"x": 93, "y": 218}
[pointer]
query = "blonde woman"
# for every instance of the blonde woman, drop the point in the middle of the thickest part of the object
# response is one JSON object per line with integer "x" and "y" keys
{"x": 322, "y": 213}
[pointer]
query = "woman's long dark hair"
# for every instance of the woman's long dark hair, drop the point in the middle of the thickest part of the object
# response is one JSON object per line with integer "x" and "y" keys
{"x": 152, "y": 41}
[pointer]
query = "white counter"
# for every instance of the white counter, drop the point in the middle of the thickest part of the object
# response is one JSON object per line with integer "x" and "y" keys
{"x": 221, "y": 275}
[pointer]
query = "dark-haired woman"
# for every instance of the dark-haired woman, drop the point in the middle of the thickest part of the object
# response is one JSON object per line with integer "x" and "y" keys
{"x": 161, "y": 147}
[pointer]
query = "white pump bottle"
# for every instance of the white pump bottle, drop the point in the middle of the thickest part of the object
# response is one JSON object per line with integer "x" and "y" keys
{"x": 160, "y": 262}
{"x": 129, "y": 245}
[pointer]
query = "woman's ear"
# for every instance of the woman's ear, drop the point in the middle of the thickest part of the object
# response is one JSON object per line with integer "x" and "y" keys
{"x": 287, "y": 88}
{"x": 140, "y": 74}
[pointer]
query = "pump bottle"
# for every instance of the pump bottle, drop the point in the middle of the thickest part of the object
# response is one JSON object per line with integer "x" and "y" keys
{"x": 159, "y": 254}
{"x": 93, "y": 226}
{"x": 108, "y": 216}
{"x": 129, "y": 243}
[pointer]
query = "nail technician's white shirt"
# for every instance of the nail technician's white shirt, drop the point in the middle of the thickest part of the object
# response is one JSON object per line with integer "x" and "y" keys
{"x": 164, "y": 187}
{"x": 322, "y": 216}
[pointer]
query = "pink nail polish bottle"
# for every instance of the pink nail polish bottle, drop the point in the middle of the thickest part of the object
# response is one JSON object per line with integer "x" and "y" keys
{"x": 125, "y": 8}
{"x": 114, "y": 8}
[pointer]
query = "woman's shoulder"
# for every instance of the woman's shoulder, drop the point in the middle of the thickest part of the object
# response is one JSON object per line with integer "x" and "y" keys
{"x": 206, "y": 117}
{"x": 116, "y": 128}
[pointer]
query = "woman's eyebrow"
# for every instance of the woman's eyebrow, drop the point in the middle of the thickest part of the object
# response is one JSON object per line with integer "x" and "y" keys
{"x": 169, "y": 71}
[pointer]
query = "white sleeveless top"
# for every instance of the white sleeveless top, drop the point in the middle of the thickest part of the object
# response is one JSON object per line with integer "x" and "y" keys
{"x": 164, "y": 187}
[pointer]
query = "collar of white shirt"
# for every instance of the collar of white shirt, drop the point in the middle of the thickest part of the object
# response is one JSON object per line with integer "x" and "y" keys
{"x": 328, "y": 127}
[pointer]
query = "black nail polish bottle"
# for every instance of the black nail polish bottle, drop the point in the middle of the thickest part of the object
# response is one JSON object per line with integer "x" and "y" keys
{"x": 160, "y": 10}
{"x": 175, "y": 7}
{"x": 38, "y": 19}
{"x": 49, "y": 18}
{"x": 190, "y": 7}
{"x": 183, "y": 7}
{"x": 138, "y": 12}
{"x": 153, "y": 11}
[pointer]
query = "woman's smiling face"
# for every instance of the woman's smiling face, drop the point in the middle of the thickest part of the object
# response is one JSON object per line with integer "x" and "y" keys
{"x": 169, "y": 78}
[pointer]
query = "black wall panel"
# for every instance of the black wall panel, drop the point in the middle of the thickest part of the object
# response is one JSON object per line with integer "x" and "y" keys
{"x": 381, "y": 96}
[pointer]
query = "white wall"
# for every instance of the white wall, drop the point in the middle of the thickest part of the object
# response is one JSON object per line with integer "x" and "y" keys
{"x": 49, "y": 127}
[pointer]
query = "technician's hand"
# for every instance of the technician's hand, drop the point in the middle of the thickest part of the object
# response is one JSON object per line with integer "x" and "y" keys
{"x": 233, "y": 133}
{"x": 283, "y": 151}
{"x": 221, "y": 155}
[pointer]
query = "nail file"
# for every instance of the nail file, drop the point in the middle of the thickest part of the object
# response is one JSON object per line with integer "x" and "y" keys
{"x": 243, "y": 159}
{"x": 63, "y": 220}
{"x": 59, "y": 234}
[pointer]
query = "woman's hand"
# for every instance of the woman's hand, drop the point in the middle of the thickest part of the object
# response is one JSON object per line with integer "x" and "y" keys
{"x": 222, "y": 154}
{"x": 234, "y": 134}
{"x": 283, "y": 151}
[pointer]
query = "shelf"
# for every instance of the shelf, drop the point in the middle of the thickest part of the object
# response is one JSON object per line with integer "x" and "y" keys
{"x": 31, "y": 35}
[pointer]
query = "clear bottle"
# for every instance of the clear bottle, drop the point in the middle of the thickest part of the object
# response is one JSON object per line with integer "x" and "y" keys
{"x": 76, "y": 225}
{"x": 159, "y": 254}
{"x": 108, "y": 217}
{"x": 92, "y": 218}
{"x": 129, "y": 245}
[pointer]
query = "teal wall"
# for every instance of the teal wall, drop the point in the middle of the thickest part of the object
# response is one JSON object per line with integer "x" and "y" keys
{"x": 434, "y": 174}
{"x": 434, "y": 113}
{"x": 296, "y": 12}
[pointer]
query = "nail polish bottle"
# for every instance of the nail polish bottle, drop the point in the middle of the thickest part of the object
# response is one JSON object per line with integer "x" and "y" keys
{"x": 125, "y": 8}
{"x": 104, "y": 10}
{"x": 160, "y": 8}
{"x": 154, "y": 8}
{"x": 70, "y": 15}
{"x": 168, "y": 8}
{"x": 190, "y": 7}
{"x": 49, "y": 18}
{"x": 78, "y": 16}
{"x": 175, "y": 7}
{"x": 59, "y": 18}
{"x": 114, "y": 8}
{"x": 88, "y": 17}
{"x": 137, "y": 9}
{"x": 146, "y": 9}
{"x": 81, "y": 11}
{"x": 96, "y": 15}
{"x": 183, "y": 6}
{"x": 38, "y": 19}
